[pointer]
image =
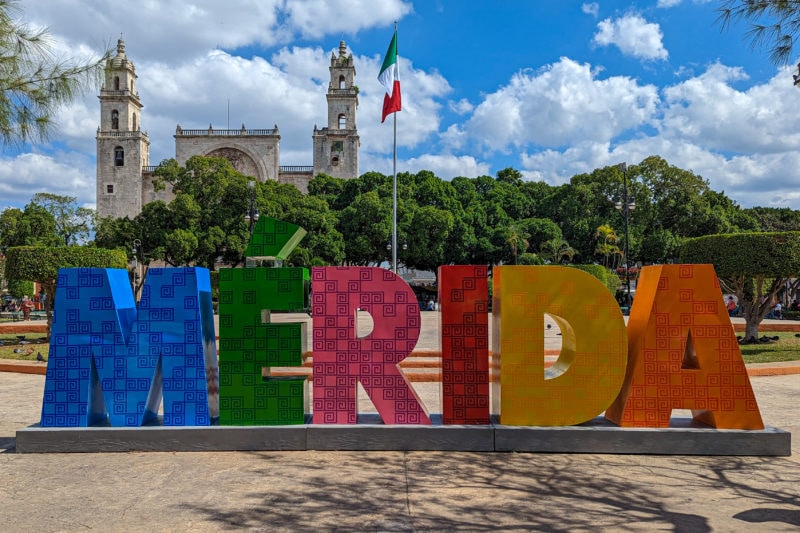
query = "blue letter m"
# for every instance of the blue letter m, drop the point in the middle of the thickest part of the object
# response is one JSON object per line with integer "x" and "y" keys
{"x": 111, "y": 363}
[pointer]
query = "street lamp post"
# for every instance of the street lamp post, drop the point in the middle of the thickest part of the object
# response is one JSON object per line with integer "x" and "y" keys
{"x": 389, "y": 249}
{"x": 251, "y": 217}
{"x": 625, "y": 207}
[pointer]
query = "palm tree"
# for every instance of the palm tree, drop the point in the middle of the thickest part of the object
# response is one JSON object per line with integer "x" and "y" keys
{"x": 606, "y": 243}
{"x": 518, "y": 240}
{"x": 555, "y": 250}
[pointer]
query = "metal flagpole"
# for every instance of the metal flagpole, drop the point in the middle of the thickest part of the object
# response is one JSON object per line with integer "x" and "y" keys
{"x": 394, "y": 187}
{"x": 394, "y": 198}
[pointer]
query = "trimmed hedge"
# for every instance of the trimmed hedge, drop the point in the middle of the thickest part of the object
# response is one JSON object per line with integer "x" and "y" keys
{"x": 39, "y": 263}
{"x": 746, "y": 254}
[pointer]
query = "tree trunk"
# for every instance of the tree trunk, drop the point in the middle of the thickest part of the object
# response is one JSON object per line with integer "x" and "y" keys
{"x": 753, "y": 314}
{"x": 751, "y": 329}
{"x": 49, "y": 287}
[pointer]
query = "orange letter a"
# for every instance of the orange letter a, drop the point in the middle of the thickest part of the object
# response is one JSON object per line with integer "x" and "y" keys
{"x": 683, "y": 354}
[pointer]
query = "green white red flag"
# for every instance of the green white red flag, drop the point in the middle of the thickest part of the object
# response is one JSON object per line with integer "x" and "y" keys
{"x": 389, "y": 77}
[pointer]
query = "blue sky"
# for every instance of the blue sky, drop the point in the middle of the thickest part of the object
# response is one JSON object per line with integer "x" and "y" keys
{"x": 552, "y": 88}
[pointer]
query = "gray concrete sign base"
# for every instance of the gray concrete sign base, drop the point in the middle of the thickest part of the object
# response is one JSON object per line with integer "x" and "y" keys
{"x": 596, "y": 436}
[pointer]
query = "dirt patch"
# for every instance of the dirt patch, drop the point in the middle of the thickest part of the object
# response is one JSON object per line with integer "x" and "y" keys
{"x": 23, "y": 328}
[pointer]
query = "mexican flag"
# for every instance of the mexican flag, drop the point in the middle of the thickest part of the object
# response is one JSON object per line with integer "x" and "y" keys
{"x": 390, "y": 79}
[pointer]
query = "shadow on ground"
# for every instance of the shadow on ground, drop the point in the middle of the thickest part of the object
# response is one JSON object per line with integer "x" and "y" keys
{"x": 482, "y": 492}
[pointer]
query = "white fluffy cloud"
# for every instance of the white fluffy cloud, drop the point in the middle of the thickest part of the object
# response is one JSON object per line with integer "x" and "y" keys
{"x": 633, "y": 35}
{"x": 172, "y": 31}
{"x": 673, "y": 3}
{"x": 709, "y": 110}
{"x": 66, "y": 174}
{"x": 315, "y": 18}
{"x": 562, "y": 104}
{"x": 591, "y": 8}
{"x": 447, "y": 166}
{"x": 551, "y": 122}
{"x": 737, "y": 139}
{"x": 188, "y": 76}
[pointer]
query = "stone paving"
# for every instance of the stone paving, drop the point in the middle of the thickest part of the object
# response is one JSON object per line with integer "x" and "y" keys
{"x": 395, "y": 491}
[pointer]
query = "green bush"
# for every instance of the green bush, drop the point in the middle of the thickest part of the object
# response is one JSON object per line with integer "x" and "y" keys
{"x": 530, "y": 259}
{"x": 606, "y": 276}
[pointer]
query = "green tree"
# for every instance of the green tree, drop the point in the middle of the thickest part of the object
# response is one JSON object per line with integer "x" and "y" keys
{"x": 34, "y": 81}
{"x": 323, "y": 244}
{"x": 326, "y": 187}
{"x": 774, "y": 24}
{"x": 775, "y": 218}
{"x": 606, "y": 243}
{"x": 517, "y": 240}
{"x": 33, "y": 226}
{"x": 753, "y": 266}
{"x": 182, "y": 246}
{"x": 73, "y": 223}
{"x": 659, "y": 246}
{"x": 41, "y": 264}
{"x": 366, "y": 225}
{"x": 203, "y": 223}
{"x": 429, "y": 234}
{"x": 556, "y": 251}
{"x": 477, "y": 232}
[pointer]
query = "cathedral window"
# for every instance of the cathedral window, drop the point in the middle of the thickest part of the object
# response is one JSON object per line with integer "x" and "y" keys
{"x": 109, "y": 188}
{"x": 342, "y": 122}
{"x": 342, "y": 83}
{"x": 119, "y": 156}
{"x": 134, "y": 122}
{"x": 335, "y": 161}
{"x": 116, "y": 83}
{"x": 115, "y": 120}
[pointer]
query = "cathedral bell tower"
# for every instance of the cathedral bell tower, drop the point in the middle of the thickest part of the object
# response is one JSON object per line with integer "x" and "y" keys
{"x": 123, "y": 149}
{"x": 336, "y": 146}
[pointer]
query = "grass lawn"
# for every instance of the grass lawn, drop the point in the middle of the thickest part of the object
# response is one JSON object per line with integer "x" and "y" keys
{"x": 35, "y": 343}
{"x": 787, "y": 348}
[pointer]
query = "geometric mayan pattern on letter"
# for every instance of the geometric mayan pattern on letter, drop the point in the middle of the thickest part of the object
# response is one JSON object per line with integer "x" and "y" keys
{"x": 591, "y": 367}
{"x": 250, "y": 343}
{"x": 341, "y": 359}
{"x": 684, "y": 354}
{"x": 176, "y": 323}
{"x": 107, "y": 365}
{"x": 464, "y": 337}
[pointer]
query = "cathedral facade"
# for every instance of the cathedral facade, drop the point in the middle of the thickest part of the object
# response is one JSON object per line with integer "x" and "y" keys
{"x": 124, "y": 173}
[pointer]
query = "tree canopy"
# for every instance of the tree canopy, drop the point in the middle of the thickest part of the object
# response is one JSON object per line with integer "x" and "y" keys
{"x": 204, "y": 223}
{"x": 482, "y": 220}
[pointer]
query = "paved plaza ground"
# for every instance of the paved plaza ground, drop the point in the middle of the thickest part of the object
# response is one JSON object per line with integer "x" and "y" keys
{"x": 396, "y": 491}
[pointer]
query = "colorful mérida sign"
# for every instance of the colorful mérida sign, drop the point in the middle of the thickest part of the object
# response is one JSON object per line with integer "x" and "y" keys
{"x": 112, "y": 362}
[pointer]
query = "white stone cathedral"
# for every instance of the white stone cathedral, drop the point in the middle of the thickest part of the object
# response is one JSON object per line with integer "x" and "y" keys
{"x": 124, "y": 174}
